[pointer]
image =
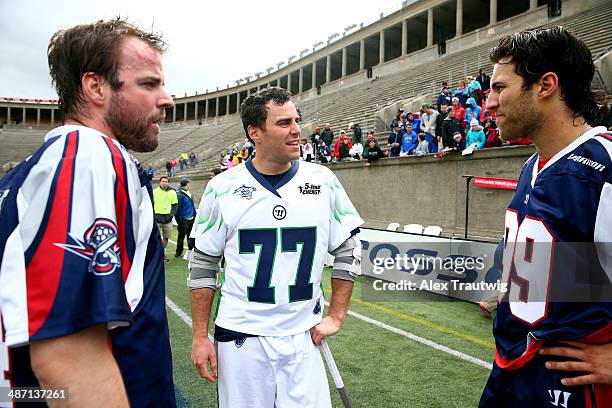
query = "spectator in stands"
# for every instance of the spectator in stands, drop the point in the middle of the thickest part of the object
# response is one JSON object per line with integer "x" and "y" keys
{"x": 442, "y": 114}
{"x": 357, "y": 135}
{"x": 475, "y": 136}
{"x": 173, "y": 168}
{"x": 344, "y": 151}
{"x": 472, "y": 111}
{"x": 396, "y": 120}
{"x": 336, "y": 151}
{"x": 185, "y": 159}
{"x": 150, "y": 172}
{"x": 444, "y": 98}
{"x": 423, "y": 146}
{"x": 492, "y": 134}
{"x": 356, "y": 151}
{"x": 372, "y": 152}
{"x": 484, "y": 80}
{"x": 327, "y": 135}
{"x": 450, "y": 125}
{"x": 249, "y": 148}
{"x": 459, "y": 93}
{"x": 473, "y": 90}
{"x": 307, "y": 151}
{"x": 458, "y": 109}
{"x": 316, "y": 136}
{"x": 185, "y": 216}
{"x": 223, "y": 162}
{"x": 415, "y": 120}
{"x": 168, "y": 168}
{"x": 165, "y": 204}
{"x": 370, "y": 136}
{"x": 193, "y": 159}
{"x": 409, "y": 141}
{"x": 323, "y": 152}
{"x": 428, "y": 126}
{"x": 395, "y": 142}
{"x": 458, "y": 142}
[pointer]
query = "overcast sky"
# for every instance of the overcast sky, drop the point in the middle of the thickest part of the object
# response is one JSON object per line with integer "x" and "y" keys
{"x": 211, "y": 42}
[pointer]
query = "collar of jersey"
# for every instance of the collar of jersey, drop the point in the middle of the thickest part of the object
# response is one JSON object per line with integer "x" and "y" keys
{"x": 264, "y": 183}
{"x": 589, "y": 134}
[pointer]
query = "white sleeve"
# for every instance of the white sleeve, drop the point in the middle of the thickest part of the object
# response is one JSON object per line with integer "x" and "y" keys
{"x": 603, "y": 229}
{"x": 343, "y": 215}
{"x": 209, "y": 230}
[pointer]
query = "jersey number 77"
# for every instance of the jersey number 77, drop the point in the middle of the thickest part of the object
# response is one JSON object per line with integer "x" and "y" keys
{"x": 267, "y": 239}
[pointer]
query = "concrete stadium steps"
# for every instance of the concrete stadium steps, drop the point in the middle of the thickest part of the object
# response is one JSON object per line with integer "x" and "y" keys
{"x": 357, "y": 103}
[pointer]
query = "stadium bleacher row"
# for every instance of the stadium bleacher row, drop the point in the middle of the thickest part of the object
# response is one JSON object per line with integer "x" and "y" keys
{"x": 357, "y": 103}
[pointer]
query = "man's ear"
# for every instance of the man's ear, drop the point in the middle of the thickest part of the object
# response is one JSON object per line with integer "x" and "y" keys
{"x": 548, "y": 83}
{"x": 94, "y": 88}
{"x": 254, "y": 133}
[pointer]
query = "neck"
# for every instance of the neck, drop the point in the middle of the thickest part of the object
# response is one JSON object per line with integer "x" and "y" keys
{"x": 93, "y": 123}
{"x": 270, "y": 167}
{"x": 558, "y": 134}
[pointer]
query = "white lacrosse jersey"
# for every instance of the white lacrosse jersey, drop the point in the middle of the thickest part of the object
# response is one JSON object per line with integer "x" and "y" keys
{"x": 275, "y": 241}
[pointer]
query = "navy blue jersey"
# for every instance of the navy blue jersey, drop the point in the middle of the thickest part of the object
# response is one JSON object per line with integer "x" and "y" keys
{"x": 79, "y": 247}
{"x": 557, "y": 262}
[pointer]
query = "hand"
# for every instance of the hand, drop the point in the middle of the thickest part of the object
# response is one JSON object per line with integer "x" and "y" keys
{"x": 594, "y": 362}
{"x": 328, "y": 327}
{"x": 202, "y": 354}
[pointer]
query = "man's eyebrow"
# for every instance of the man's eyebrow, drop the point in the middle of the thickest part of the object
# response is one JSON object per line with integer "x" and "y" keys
{"x": 155, "y": 79}
{"x": 497, "y": 83}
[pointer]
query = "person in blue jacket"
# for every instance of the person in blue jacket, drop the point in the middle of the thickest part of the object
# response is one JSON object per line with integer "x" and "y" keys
{"x": 185, "y": 215}
{"x": 472, "y": 111}
{"x": 409, "y": 140}
{"x": 475, "y": 135}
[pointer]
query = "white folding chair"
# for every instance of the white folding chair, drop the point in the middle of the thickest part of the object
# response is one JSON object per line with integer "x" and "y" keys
{"x": 394, "y": 226}
{"x": 413, "y": 228}
{"x": 434, "y": 230}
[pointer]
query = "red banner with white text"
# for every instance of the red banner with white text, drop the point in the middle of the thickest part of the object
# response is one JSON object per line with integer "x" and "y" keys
{"x": 491, "y": 182}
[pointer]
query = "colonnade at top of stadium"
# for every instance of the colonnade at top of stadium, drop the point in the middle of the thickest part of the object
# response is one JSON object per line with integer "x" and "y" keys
{"x": 415, "y": 27}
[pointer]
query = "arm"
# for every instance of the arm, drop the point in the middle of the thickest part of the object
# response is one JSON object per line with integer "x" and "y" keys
{"x": 347, "y": 265}
{"x": 202, "y": 349}
{"x": 203, "y": 270}
{"x": 594, "y": 365}
{"x": 60, "y": 363}
{"x": 338, "y": 308}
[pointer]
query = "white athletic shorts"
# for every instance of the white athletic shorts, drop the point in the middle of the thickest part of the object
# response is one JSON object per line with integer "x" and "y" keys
{"x": 267, "y": 372}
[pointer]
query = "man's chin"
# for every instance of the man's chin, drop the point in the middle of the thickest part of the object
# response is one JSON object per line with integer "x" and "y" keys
{"x": 145, "y": 146}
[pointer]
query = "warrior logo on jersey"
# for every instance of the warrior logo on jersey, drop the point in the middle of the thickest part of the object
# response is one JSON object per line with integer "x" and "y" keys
{"x": 245, "y": 191}
{"x": 99, "y": 245}
{"x": 279, "y": 212}
{"x": 239, "y": 341}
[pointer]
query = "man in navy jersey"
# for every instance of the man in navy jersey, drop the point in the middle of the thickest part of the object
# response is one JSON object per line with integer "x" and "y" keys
{"x": 81, "y": 272}
{"x": 557, "y": 257}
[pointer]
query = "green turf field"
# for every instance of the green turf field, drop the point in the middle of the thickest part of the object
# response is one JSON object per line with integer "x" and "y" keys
{"x": 380, "y": 368}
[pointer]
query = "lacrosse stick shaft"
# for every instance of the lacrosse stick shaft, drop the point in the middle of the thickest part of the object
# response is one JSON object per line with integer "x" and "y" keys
{"x": 333, "y": 369}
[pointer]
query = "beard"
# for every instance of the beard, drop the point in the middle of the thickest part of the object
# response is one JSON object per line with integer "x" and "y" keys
{"x": 130, "y": 128}
{"x": 524, "y": 123}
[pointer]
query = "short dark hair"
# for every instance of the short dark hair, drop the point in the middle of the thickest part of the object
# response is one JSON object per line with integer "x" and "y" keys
{"x": 90, "y": 48}
{"x": 253, "y": 111}
{"x": 540, "y": 50}
{"x": 162, "y": 178}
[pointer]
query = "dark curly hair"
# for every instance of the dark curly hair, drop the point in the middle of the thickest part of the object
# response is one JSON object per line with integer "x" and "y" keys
{"x": 540, "y": 50}
{"x": 253, "y": 111}
{"x": 90, "y": 48}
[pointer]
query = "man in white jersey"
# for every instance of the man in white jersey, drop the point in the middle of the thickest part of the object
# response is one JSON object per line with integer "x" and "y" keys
{"x": 273, "y": 219}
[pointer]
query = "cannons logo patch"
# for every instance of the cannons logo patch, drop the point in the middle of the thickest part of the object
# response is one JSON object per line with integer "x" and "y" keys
{"x": 99, "y": 246}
